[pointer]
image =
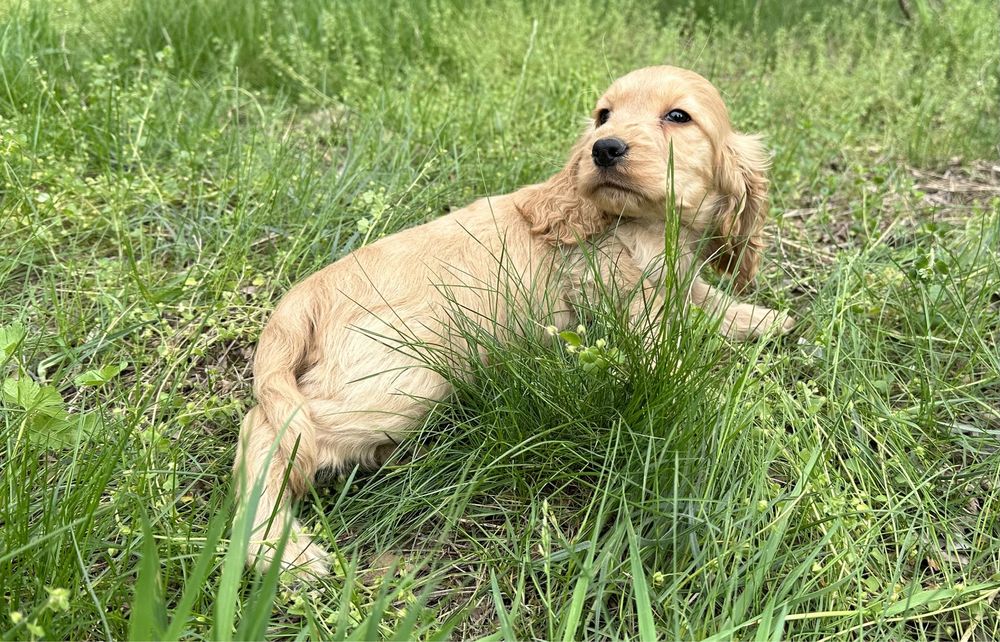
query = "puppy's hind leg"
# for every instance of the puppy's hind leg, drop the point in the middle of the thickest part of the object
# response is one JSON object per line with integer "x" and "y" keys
{"x": 262, "y": 464}
{"x": 367, "y": 424}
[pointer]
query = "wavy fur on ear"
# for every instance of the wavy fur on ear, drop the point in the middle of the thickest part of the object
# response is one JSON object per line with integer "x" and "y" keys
{"x": 556, "y": 211}
{"x": 740, "y": 207}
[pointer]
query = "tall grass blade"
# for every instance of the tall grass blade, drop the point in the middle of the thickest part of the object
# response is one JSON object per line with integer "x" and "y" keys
{"x": 640, "y": 587}
{"x": 148, "y": 618}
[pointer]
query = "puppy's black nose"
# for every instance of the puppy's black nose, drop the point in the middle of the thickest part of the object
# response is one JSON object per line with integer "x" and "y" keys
{"x": 608, "y": 151}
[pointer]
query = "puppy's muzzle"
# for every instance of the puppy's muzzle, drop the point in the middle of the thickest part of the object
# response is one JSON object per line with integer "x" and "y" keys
{"x": 608, "y": 152}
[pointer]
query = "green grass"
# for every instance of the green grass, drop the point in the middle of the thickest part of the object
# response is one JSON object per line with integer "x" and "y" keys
{"x": 168, "y": 170}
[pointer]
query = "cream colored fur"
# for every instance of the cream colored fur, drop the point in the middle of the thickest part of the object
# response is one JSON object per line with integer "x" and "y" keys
{"x": 334, "y": 388}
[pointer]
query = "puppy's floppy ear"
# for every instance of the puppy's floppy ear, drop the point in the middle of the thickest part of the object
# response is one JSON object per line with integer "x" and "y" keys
{"x": 556, "y": 211}
{"x": 741, "y": 207}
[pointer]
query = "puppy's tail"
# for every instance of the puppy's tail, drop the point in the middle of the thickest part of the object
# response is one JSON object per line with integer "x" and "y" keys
{"x": 281, "y": 354}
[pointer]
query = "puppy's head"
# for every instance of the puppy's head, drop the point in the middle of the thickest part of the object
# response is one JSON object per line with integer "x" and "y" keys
{"x": 645, "y": 122}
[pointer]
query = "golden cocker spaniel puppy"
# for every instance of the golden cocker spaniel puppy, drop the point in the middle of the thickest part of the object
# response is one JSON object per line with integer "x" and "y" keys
{"x": 333, "y": 390}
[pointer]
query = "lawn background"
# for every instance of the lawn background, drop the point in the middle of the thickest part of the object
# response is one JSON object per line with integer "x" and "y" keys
{"x": 168, "y": 170}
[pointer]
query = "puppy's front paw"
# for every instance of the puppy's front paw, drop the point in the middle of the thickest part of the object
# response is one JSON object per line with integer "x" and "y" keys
{"x": 302, "y": 556}
{"x": 305, "y": 558}
{"x": 745, "y": 321}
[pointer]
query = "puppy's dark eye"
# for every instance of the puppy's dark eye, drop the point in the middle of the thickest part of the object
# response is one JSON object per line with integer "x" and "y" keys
{"x": 603, "y": 116}
{"x": 676, "y": 116}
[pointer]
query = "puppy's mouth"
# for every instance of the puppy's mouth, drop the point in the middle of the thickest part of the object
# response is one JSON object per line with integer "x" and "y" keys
{"x": 617, "y": 187}
{"x": 608, "y": 184}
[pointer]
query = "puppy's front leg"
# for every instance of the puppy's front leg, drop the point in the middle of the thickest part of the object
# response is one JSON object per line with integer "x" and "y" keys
{"x": 740, "y": 321}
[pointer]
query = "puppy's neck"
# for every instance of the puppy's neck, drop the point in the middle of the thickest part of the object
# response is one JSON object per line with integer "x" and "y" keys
{"x": 645, "y": 239}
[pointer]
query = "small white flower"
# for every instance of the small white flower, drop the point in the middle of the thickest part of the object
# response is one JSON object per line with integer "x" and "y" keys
{"x": 58, "y": 599}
